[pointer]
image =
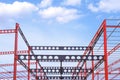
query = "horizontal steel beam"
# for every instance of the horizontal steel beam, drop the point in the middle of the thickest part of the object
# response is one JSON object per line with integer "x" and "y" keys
{"x": 12, "y": 52}
{"x": 62, "y": 78}
{"x": 7, "y": 31}
{"x": 62, "y": 70}
{"x": 64, "y": 58}
{"x": 72, "y": 48}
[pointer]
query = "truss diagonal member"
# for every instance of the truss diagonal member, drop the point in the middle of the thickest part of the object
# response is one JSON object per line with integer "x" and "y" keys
{"x": 114, "y": 49}
{"x": 26, "y": 42}
{"x": 115, "y": 76}
{"x": 71, "y": 48}
{"x": 96, "y": 66}
{"x": 6, "y": 31}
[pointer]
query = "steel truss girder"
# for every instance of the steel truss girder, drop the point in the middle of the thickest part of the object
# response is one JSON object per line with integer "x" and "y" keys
{"x": 64, "y": 70}
{"x": 61, "y": 78}
{"x": 72, "y": 48}
{"x": 63, "y": 58}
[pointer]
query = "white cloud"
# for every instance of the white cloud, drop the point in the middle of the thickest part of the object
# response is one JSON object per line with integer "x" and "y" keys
{"x": 45, "y": 3}
{"x": 16, "y": 9}
{"x": 71, "y": 2}
{"x": 106, "y": 6}
{"x": 60, "y": 14}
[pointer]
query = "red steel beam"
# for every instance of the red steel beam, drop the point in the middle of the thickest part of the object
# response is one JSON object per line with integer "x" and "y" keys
{"x": 116, "y": 69}
{"x": 114, "y": 76}
{"x": 109, "y": 53}
{"x": 101, "y": 69}
{"x": 7, "y": 65}
{"x": 12, "y": 52}
{"x": 9, "y": 72}
{"x": 9, "y": 78}
{"x": 109, "y": 26}
{"x": 7, "y": 31}
{"x": 114, "y": 49}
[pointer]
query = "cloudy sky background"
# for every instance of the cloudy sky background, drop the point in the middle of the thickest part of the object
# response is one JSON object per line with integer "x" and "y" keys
{"x": 57, "y": 22}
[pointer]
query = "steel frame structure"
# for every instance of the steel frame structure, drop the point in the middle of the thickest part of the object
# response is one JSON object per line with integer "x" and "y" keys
{"x": 100, "y": 60}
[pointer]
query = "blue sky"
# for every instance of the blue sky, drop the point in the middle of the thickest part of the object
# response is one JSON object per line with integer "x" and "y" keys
{"x": 57, "y": 22}
{"x": 54, "y": 22}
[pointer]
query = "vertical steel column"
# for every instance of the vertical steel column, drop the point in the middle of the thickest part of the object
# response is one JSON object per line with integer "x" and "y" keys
{"x": 85, "y": 70}
{"x": 36, "y": 70}
{"x": 28, "y": 63}
{"x": 105, "y": 50}
{"x": 15, "y": 52}
{"x": 41, "y": 72}
{"x": 61, "y": 70}
{"x": 92, "y": 66}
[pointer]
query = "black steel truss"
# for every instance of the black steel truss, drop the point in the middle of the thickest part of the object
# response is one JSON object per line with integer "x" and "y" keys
{"x": 63, "y": 70}
{"x": 72, "y": 48}
{"x": 61, "y": 78}
{"x": 63, "y": 58}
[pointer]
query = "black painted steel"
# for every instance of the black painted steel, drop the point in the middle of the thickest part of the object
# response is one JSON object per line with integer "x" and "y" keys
{"x": 64, "y": 70}
{"x": 63, "y": 78}
{"x": 63, "y": 58}
{"x": 65, "y": 48}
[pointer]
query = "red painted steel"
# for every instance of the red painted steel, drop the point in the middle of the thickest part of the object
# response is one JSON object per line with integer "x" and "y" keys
{"x": 114, "y": 49}
{"x": 7, "y": 31}
{"x": 28, "y": 64}
{"x": 9, "y": 65}
{"x": 109, "y": 26}
{"x": 36, "y": 69}
{"x": 12, "y": 52}
{"x": 92, "y": 42}
{"x": 105, "y": 50}
{"x": 112, "y": 70}
{"x": 15, "y": 52}
{"x": 103, "y": 28}
{"x": 109, "y": 66}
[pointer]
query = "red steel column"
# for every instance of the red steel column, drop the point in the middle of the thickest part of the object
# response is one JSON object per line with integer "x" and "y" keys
{"x": 92, "y": 67}
{"x": 28, "y": 63}
{"x": 15, "y": 52}
{"x": 105, "y": 50}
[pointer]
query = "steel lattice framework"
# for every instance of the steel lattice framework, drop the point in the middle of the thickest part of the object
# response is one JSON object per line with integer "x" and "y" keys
{"x": 99, "y": 61}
